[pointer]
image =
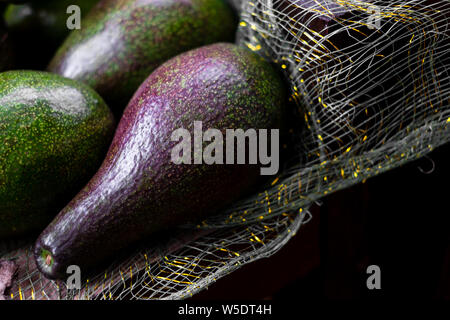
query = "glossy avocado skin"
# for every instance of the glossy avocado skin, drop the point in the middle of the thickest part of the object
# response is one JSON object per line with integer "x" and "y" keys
{"x": 122, "y": 42}
{"x": 54, "y": 134}
{"x": 40, "y": 24}
{"x": 138, "y": 190}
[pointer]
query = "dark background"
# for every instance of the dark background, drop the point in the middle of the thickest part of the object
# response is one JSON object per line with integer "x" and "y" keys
{"x": 398, "y": 221}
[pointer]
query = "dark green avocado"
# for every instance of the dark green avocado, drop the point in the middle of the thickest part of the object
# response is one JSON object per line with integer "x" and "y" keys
{"x": 40, "y": 24}
{"x": 54, "y": 134}
{"x": 122, "y": 42}
{"x": 138, "y": 190}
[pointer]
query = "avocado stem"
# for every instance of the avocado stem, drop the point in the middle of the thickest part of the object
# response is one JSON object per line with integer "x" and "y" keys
{"x": 48, "y": 259}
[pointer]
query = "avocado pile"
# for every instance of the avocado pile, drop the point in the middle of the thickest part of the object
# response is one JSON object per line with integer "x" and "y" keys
{"x": 85, "y": 142}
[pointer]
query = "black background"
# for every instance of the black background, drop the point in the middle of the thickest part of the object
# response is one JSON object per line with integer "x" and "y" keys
{"x": 398, "y": 221}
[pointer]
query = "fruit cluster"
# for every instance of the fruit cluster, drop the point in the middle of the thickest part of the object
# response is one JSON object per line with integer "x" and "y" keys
{"x": 85, "y": 131}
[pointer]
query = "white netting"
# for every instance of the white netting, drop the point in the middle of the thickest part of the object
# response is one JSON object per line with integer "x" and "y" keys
{"x": 174, "y": 268}
{"x": 370, "y": 91}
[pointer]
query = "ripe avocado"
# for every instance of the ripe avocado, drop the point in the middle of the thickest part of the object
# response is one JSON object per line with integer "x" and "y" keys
{"x": 40, "y": 24}
{"x": 138, "y": 190}
{"x": 54, "y": 134}
{"x": 122, "y": 42}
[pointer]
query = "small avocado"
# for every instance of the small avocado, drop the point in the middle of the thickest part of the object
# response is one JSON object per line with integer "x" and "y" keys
{"x": 54, "y": 134}
{"x": 43, "y": 25}
{"x": 139, "y": 190}
{"x": 122, "y": 42}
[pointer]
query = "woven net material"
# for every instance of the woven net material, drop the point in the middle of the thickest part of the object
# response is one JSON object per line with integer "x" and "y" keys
{"x": 173, "y": 268}
{"x": 370, "y": 91}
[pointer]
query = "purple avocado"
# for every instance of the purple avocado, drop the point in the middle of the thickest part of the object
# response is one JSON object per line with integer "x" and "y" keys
{"x": 138, "y": 190}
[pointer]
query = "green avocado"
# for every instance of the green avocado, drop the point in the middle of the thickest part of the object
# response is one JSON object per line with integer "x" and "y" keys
{"x": 54, "y": 134}
{"x": 122, "y": 42}
{"x": 139, "y": 190}
{"x": 43, "y": 25}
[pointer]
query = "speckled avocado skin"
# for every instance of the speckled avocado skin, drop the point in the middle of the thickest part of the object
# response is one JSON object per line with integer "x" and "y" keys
{"x": 54, "y": 134}
{"x": 138, "y": 190}
{"x": 122, "y": 42}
